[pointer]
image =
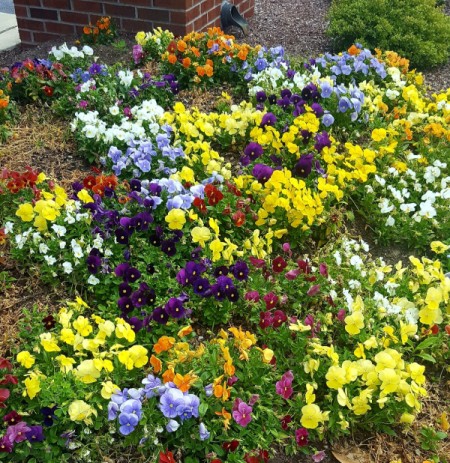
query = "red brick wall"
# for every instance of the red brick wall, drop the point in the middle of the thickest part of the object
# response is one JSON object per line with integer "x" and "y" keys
{"x": 42, "y": 20}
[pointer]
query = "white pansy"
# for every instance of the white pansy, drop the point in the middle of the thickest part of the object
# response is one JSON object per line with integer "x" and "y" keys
{"x": 90, "y": 131}
{"x": 427, "y": 210}
{"x": 98, "y": 241}
{"x": 125, "y": 77}
{"x": 93, "y": 280}
{"x": 442, "y": 165}
{"x": 67, "y": 267}
{"x": 20, "y": 240}
{"x": 390, "y": 221}
{"x": 431, "y": 174}
{"x": 88, "y": 51}
{"x": 354, "y": 284}
{"x": 392, "y": 94}
{"x": 114, "y": 110}
{"x": 356, "y": 261}
{"x": 59, "y": 230}
{"x": 385, "y": 206}
{"x": 429, "y": 196}
{"x": 408, "y": 207}
{"x": 8, "y": 227}
{"x": 43, "y": 248}
{"x": 380, "y": 180}
{"x": 70, "y": 219}
{"x": 50, "y": 260}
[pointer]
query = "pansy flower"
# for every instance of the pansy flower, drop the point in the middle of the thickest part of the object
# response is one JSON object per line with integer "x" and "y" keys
{"x": 49, "y": 415}
{"x": 12, "y": 418}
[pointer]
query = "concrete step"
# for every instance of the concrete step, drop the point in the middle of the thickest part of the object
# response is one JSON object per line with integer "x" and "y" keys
{"x": 9, "y": 32}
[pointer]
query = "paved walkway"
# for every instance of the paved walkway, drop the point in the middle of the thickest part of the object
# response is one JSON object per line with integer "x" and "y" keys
{"x": 9, "y": 33}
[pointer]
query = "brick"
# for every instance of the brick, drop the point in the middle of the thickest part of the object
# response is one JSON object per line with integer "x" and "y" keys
{"x": 173, "y": 4}
{"x": 206, "y": 6}
{"x": 178, "y": 17}
{"x": 29, "y": 24}
{"x": 146, "y": 3}
{"x": 41, "y": 13}
{"x": 214, "y": 14}
{"x": 88, "y": 7}
{"x": 44, "y": 37}
{"x": 59, "y": 28}
{"x": 28, "y": 2}
{"x": 21, "y": 11}
{"x": 189, "y": 28}
{"x": 74, "y": 18}
{"x": 120, "y": 11}
{"x": 56, "y": 4}
{"x": 153, "y": 14}
{"x": 199, "y": 23}
{"x": 136, "y": 25}
{"x": 193, "y": 13}
{"x": 93, "y": 18}
{"x": 26, "y": 36}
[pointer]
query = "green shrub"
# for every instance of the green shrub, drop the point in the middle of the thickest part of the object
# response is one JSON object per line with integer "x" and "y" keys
{"x": 416, "y": 29}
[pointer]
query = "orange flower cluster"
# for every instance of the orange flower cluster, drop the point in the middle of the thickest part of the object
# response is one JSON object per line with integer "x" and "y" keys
{"x": 97, "y": 184}
{"x": 101, "y": 32}
{"x": 4, "y": 100}
{"x": 393, "y": 59}
{"x": 199, "y": 54}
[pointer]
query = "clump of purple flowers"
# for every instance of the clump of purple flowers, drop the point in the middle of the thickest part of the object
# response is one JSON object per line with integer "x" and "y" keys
{"x": 126, "y": 406}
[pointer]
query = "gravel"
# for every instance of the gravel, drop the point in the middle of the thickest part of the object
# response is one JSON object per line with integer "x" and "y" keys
{"x": 298, "y": 25}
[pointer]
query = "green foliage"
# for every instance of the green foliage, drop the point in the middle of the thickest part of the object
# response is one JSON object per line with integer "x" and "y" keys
{"x": 429, "y": 438}
{"x": 416, "y": 29}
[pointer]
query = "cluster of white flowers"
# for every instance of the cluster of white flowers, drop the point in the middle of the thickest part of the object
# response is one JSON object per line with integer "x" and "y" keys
{"x": 270, "y": 80}
{"x": 60, "y": 52}
{"x": 143, "y": 123}
{"x": 398, "y": 198}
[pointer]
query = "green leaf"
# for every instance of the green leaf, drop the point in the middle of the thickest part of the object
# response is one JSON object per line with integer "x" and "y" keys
{"x": 428, "y": 343}
{"x": 428, "y": 357}
{"x": 388, "y": 430}
{"x": 203, "y": 408}
{"x": 441, "y": 435}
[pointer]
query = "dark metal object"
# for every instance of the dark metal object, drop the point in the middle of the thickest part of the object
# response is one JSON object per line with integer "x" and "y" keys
{"x": 230, "y": 16}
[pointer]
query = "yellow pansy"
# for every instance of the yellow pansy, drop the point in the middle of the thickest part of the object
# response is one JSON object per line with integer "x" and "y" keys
{"x": 25, "y": 359}
{"x": 176, "y": 218}
{"x": 379, "y": 134}
{"x": 67, "y": 336}
{"x": 79, "y": 410}
{"x": 32, "y": 386}
{"x": 124, "y": 330}
{"x": 65, "y": 363}
{"x": 311, "y": 416}
{"x": 354, "y": 323}
{"x": 407, "y": 418}
{"x": 336, "y": 377}
{"x": 25, "y": 212}
{"x": 201, "y": 235}
{"x": 390, "y": 380}
{"x": 49, "y": 343}
{"x": 84, "y": 196}
{"x": 438, "y": 247}
{"x": 87, "y": 372}
{"x": 108, "y": 389}
{"x": 82, "y": 325}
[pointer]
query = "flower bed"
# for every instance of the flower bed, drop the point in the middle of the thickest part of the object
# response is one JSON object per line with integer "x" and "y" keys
{"x": 196, "y": 326}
